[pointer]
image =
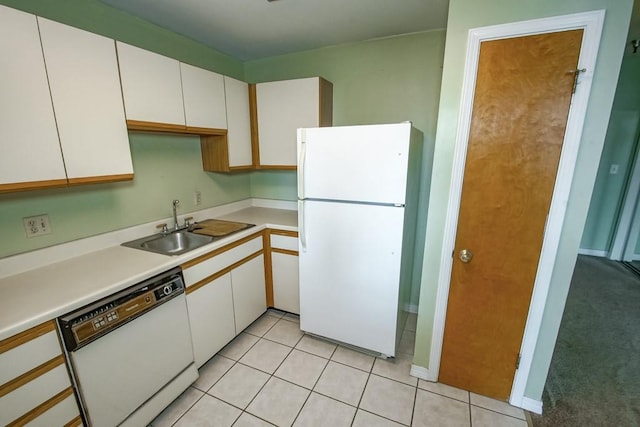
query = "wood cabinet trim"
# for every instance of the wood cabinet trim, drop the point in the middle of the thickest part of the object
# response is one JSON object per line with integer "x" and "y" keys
{"x": 241, "y": 168}
{"x": 253, "y": 121}
{"x": 285, "y": 251}
{"x": 287, "y": 233}
{"x": 77, "y": 421}
{"x": 268, "y": 267}
{"x": 215, "y": 153}
{"x": 192, "y": 130}
{"x": 44, "y": 407}
{"x": 26, "y": 336}
{"x": 101, "y": 179}
{"x": 32, "y": 185}
{"x": 325, "y": 108}
{"x": 31, "y": 375}
{"x": 143, "y": 126}
{"x": 222, "y": 272}
{"x": 278, "y": 167}
{"x": 220, "y": 250}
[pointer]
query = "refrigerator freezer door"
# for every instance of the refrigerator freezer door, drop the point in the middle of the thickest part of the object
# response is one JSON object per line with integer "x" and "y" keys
{"x": 354, "y": 163}
{"x": 349, "y": 273}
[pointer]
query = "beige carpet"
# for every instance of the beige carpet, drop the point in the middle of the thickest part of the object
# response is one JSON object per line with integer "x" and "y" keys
{"x": 594, "y": 378}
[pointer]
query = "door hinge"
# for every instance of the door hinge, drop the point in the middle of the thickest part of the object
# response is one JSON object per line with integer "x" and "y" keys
{"x": 518, "y": 361}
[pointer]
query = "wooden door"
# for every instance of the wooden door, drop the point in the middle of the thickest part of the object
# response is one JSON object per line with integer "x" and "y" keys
{"x": 522, "y": 97}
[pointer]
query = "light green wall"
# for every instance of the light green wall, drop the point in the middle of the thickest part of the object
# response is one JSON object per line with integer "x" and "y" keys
{"x": 467, "y": 14}
{"x": 378, "y": 81}
{"x": 279, "y": 185}
{"x": 166, "y": 167}
{"x": 619, "y": 146}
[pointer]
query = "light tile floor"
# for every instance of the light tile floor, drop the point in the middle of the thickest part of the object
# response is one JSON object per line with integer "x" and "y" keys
{"x": 274, "y": 374}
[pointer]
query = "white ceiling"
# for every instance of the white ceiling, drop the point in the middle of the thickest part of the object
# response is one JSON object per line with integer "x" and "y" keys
{"x": 252, "y": 29}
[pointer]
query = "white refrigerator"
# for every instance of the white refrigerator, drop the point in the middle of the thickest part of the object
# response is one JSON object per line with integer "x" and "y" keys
{"x": 358, "y": 190}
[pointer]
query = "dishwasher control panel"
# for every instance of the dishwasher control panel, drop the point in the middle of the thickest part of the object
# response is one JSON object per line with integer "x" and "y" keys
{"x": 95, "y": 320}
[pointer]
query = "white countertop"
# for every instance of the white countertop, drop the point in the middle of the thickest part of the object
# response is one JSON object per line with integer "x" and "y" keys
{"x": 35, "y": 296}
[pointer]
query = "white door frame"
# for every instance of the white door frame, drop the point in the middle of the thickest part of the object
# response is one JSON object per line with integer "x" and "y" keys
{"x": 592, "y": 23}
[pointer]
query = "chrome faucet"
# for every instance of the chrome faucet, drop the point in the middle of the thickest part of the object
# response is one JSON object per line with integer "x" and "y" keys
{"x": 175, "y": 215}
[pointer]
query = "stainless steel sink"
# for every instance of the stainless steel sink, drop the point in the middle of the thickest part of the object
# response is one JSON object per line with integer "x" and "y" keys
{"x": 174, "y": 243}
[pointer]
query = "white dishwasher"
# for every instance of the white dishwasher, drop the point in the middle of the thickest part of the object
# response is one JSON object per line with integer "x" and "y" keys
{"x": 131, "y": 353}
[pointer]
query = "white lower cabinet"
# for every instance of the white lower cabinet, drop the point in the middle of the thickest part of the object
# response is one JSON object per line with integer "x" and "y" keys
{"x": 211, "y": 318}
{"x": 249, "y": 294}
{"x": 284, "y": 270}
{"x": 225, "y": 294}
{"x": 286, "y": 293}
{"x": 35, "y": 388}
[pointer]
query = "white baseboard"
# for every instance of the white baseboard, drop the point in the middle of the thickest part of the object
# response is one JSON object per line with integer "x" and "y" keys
{"x": 593, "y": 252}
{"x": 532, "y": 405}
{"x": 422, "y": 373}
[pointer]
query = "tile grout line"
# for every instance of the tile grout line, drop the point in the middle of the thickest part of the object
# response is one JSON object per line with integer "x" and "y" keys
{"x": 311, "y": 390}
{"x": 413, "y": 409}
{"x": 271, "y": 375}
{"x": 189, "y": 408}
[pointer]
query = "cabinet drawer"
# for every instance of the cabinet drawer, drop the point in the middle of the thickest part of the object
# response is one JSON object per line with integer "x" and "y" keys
{"x": 284, "y": 242}
{"x": 23, "y": 358}
{"x": 60, "y": 411}
{"x": 23, "y": 399}
{"x": 207, "y": 267}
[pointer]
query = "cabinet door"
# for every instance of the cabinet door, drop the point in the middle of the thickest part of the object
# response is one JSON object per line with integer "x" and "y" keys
{"x": 286, "y": 294}
{"x": 28, "y": 135}
{"x": 238, "y": 122}
{"x": 249, "y": 295}
{"x": 151, "y": 86}
{"x": 203, "y": 93}
{"x": 283, "y": 107}
{"x": 87, "y": 100}
{"x": 211, "y": 318}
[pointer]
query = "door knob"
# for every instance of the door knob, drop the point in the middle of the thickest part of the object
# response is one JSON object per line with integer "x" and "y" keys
{"x": 465, "y": 255}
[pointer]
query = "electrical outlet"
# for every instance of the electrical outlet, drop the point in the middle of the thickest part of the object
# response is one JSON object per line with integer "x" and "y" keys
{"x": 197, "y": 198}
{"x": 613, "y": 169}
{"x": 38, "y": 225}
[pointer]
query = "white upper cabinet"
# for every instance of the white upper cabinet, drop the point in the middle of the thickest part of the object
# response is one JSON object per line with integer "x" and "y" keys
{"x": 87, "y": 100}
{"x": 285, "y": 106}
{"x": 203, "y": 93}
{"x": 28, "y": 136}
{"x": 239, "y": 122}
{"x": 151, "y": 86}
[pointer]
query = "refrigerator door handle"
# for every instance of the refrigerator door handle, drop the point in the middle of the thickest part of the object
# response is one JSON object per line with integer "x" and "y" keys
{"x": 302, "y": 231}
{"x": 301, "y": 162}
